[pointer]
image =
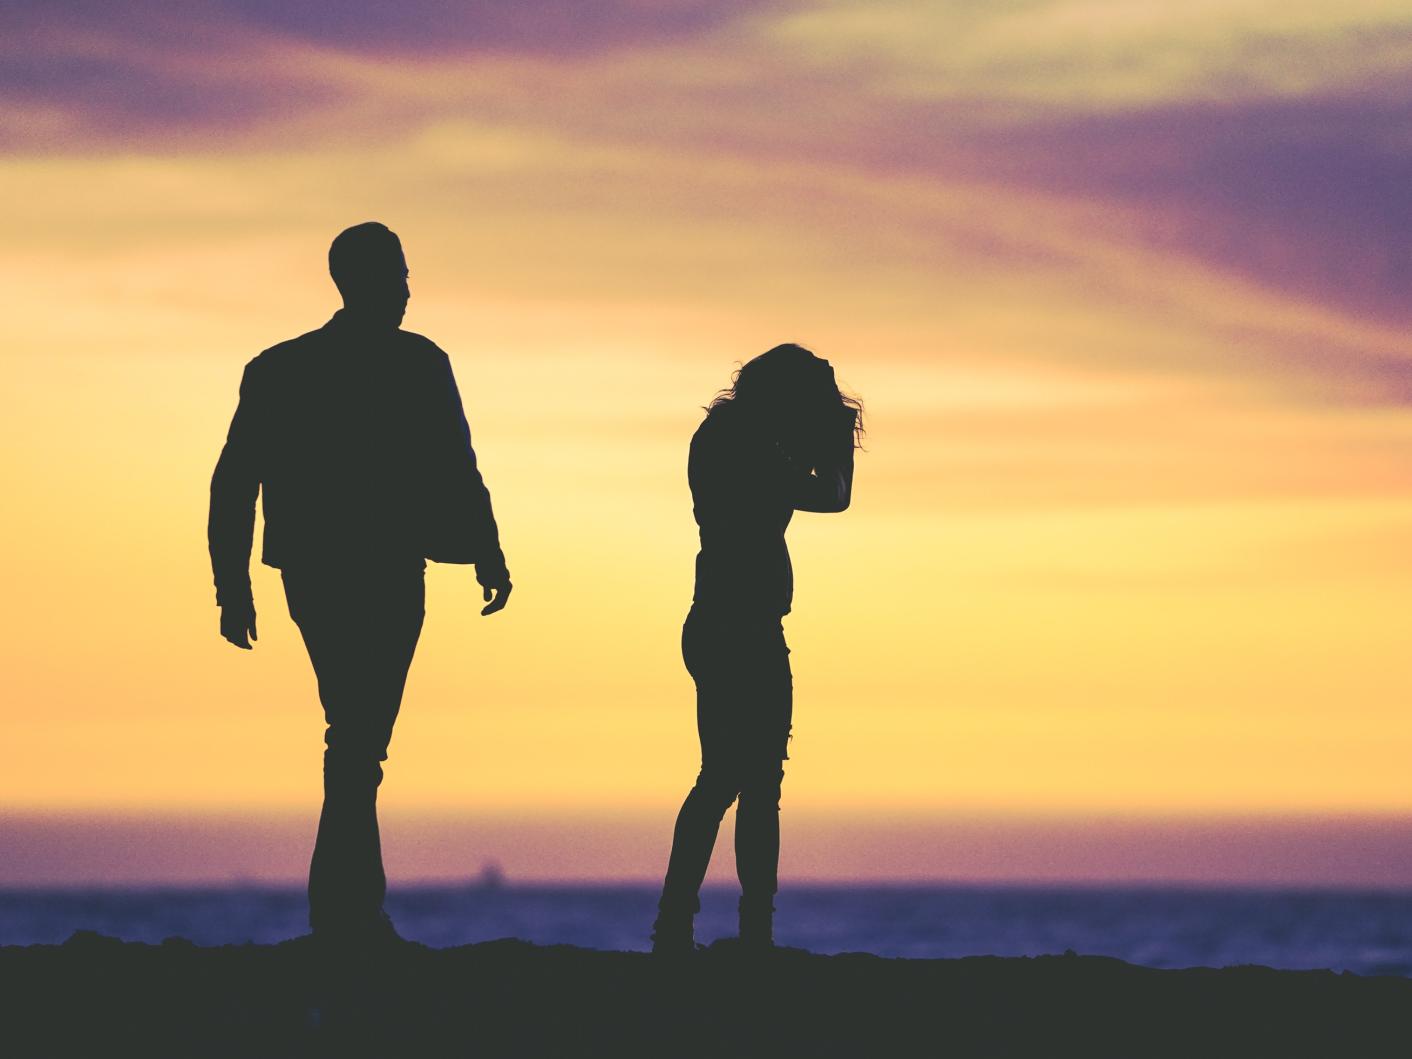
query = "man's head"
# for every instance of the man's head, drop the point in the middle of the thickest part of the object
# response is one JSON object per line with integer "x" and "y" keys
{"x": 368, "y": 268}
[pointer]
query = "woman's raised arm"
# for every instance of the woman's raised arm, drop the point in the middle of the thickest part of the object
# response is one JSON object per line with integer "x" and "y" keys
{"x": 829, "y": 488}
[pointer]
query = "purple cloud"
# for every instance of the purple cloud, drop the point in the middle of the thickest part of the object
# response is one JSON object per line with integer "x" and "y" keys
{"x": 1308, "y": 195}
{"x": 568, "y": 27}
{"x": 544, "y": 26}
{"x": 1311, "y": 196}
{"x": 138, "y": 69}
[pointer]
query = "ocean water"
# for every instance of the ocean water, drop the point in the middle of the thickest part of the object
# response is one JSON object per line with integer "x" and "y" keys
{"x": 1367, "y": 933}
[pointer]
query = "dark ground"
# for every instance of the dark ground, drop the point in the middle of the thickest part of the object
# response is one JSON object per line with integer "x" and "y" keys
{"x": 99, "y": 996}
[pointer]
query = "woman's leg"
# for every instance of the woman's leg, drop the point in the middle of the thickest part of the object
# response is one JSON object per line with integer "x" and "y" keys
{"x": 699, "y": 821}
{"x": 743, "y": 713}
{"x": 757, "y": 817}
{"x": 693, "y": 840}
{"x": 757, "y": 853}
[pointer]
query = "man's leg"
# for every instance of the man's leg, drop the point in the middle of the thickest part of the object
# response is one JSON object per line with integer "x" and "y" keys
{"x": 361, "y": 634}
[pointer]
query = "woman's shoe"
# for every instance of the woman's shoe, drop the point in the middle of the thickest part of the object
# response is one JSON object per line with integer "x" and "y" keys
{"x": 757, "y": 923}
{"x": 673, "y": 934}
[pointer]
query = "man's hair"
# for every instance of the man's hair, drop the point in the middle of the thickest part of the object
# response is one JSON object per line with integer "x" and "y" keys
{"x": 362, "y": 251}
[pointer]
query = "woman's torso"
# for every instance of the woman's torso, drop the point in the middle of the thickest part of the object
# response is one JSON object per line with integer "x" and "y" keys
{"x": 737, "y": 478}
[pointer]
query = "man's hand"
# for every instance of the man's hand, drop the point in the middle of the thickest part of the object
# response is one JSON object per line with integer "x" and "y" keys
{"x": 496, "y": 596}
{"x": 238, "y": 624}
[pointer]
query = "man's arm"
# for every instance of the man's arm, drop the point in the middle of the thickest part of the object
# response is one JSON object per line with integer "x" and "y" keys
{"x": 471, "y": 500}
{"x": 230, "y": 527}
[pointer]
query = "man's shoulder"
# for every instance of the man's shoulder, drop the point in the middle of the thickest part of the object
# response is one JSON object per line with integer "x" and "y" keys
{"x": 311, "y": 352}
{"x": 291, "y": 349}
{"x": 421, "y": 346}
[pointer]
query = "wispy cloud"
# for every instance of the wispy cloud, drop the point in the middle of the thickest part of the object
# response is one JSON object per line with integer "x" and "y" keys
{"x": 1104, "y": 54}
{"x": 1261, "y": 140}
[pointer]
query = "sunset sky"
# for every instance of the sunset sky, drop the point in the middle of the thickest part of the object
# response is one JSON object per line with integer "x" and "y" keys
{"x": 1123, "y": 284}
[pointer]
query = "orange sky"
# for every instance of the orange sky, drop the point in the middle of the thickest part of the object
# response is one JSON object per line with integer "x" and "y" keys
{"x": 1122, "y": 291}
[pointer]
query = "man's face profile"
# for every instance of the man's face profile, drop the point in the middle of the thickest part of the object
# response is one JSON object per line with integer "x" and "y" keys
{"x": 379, "y": 289}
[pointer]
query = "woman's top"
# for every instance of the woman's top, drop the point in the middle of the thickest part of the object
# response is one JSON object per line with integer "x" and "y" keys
{"x": 744, "y": 490}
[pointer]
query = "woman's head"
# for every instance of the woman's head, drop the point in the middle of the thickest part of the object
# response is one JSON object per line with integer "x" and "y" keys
{"x": 791, "y": 392}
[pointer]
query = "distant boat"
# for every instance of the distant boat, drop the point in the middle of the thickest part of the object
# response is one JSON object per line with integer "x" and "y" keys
{"x": 492, "y": 877}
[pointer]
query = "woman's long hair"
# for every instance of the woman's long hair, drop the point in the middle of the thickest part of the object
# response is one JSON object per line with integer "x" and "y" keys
{"x": 793, "y": 388}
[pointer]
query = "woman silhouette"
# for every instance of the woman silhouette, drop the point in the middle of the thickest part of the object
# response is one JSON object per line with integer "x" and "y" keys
{"x": 780, "y": 440}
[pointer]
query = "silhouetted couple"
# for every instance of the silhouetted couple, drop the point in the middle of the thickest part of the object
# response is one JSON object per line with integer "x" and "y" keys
{"x": 356, "y": 435}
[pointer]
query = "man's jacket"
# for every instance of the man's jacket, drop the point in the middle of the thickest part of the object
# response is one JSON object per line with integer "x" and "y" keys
{"x": 360, "y": 445}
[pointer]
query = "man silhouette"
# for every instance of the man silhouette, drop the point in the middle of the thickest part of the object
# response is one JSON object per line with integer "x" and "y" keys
{"x": 356, "y": 434}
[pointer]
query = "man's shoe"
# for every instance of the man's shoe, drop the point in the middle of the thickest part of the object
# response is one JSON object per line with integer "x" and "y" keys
{"x": 362, "y": 934}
